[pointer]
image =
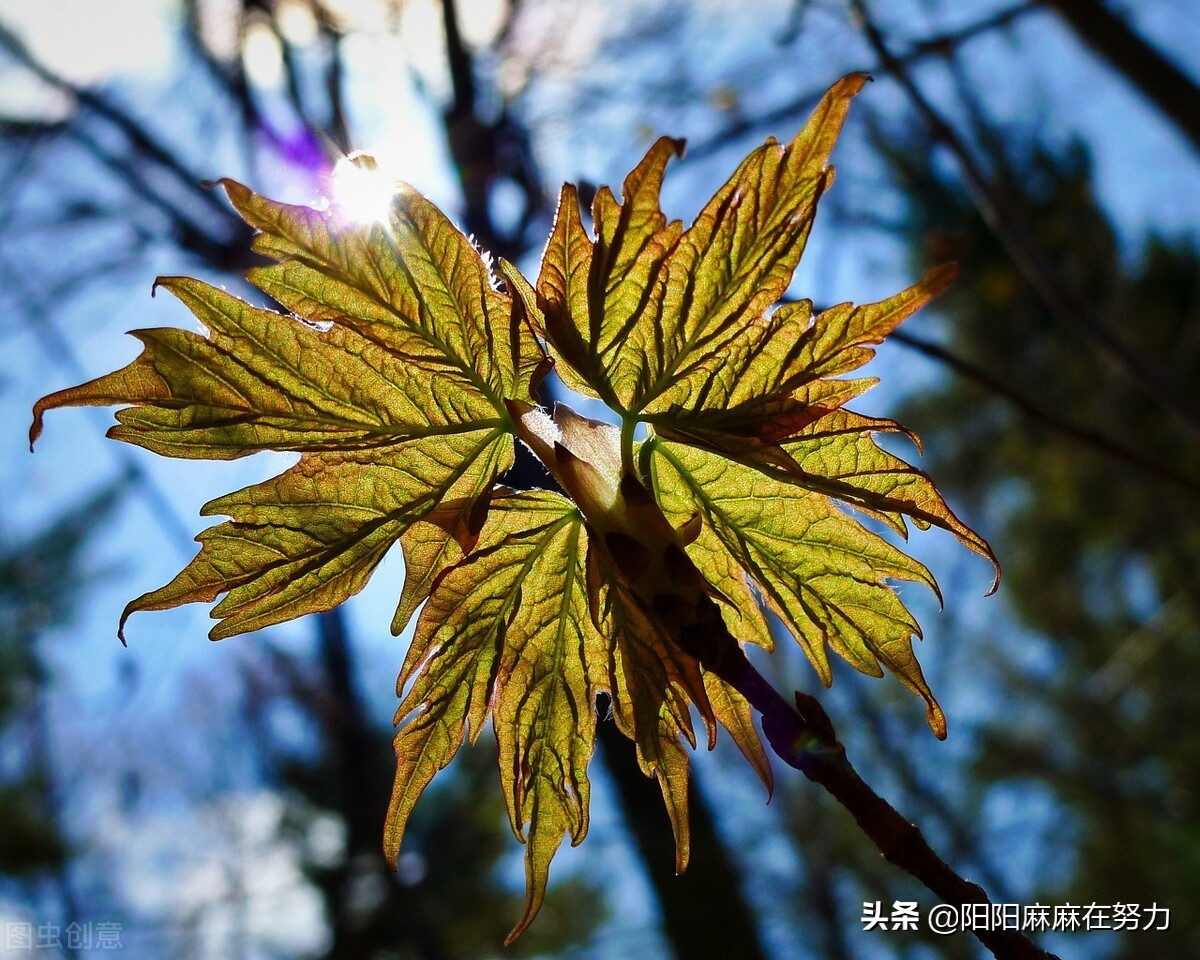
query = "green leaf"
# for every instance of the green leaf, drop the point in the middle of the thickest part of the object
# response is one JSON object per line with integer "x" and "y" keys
{"x": 402, "y": 374}
{"x": 509, "y": 628}
{"x": 820, "y": 571}
{"x": 531, "y": 624}
{"x": 771, "y": 382}
{"x": 645, "y": 309}
{"x": 309, "y": 539}
{"x": 390, "y": 377}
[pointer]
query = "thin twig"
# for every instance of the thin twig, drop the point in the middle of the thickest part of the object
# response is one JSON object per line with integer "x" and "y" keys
{"x": 103, "y": 107}
{"x": 1024, "y": 252}
{"x": 1085, "y": 435}
{"x": 935, "y": 46}
{"x": 804, "y": 738}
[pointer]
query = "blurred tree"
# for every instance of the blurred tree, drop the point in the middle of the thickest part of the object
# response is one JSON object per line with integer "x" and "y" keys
{"x": 1100, "y": 549}
{"x": 107, "y": 180}
{"x": 43, "y": 579}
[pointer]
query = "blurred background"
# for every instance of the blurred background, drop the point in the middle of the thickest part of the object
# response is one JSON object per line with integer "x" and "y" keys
{"x": 226, "y": 800}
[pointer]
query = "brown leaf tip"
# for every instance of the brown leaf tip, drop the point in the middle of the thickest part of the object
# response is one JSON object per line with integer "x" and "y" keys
{"x": 35, "y": 428}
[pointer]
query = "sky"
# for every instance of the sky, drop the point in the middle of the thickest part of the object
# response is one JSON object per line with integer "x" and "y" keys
{"x": 1146, "y": 177}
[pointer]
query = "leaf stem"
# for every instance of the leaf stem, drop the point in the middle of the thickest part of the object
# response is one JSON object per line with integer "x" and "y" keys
{"x": 803, "y": 737}
{"x": 628, "y": 426}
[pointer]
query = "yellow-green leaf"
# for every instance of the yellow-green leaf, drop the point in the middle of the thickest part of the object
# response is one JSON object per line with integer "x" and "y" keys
{"x": 415, "y": 285}
{"x": 671, "y": 328}
{"x": 821, "y": 571}
{"x": 435, "y": 543}
{"x": 653, "y": 685}
{"x": 532, "y": 624}
{"x": 401, "y": 375}
{"x": 596, "y": 293}
{"x": 263, "y": 381}
{"x": 310, "y": 538}
{"x": 838, "y": 455}
{"x": 509, "y": 628}
{"x": 390, "y": 377}
{"x": 733, "y": 712}
{"x": 771, "y": 381}
{"x": 642, "y": 309}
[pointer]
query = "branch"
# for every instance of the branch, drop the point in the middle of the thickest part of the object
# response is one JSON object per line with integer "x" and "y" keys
{"x": 963, "y": 841}
{"x": 1085, "y": 435}
{"x": 191, "y": 232}
{"x": 188, "y": 233}
{"x": 1024, "y": 252}
{"x": 949, "y": 42}
{"x": 804, "y": 738}
{"x": 1157, "y": 78}
{"x": 103, "y": 107}
{"x": 938, "y": 45}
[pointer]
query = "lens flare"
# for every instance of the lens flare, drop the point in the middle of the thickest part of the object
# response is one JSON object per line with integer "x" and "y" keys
{"x": 362, "y": 191}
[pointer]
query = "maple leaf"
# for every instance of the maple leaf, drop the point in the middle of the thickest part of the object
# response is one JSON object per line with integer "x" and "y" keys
{"x": 390, "y": 378}
{"x": 669, "y": 327}
{"x": 508, "y": 630}
{"x": 403, "y": 374}
{"x": 642, "y": 314}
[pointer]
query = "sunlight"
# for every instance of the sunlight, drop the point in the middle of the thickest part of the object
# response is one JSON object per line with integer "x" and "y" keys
{"x": 262, "y": 53}
{"x": 363, "y": 190}
{"x": 90, "y": 41}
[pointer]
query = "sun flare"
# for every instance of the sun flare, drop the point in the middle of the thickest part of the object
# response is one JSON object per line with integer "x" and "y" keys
{"x": 362, "y": 190}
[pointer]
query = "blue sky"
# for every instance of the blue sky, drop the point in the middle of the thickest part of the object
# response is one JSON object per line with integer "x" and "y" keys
{"x": 592, "y": 112}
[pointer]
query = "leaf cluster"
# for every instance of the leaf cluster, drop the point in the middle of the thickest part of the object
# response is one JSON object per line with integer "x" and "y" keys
{"x": 403, "y": 373}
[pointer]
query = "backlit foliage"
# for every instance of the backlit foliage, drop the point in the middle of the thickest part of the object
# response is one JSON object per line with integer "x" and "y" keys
{"x": 404, "y": 373}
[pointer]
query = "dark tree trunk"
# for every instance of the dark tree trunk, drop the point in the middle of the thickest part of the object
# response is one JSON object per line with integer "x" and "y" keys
{"x": 704, "y": 912}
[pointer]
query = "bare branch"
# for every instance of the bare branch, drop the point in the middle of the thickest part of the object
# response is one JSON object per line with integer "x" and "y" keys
{"x": 803, "y": 737}
{"x": 101, "y": 106}
{"x": 1085, "y": 435}
{"x": 799, "y": 106}
{"x": 1157, "y": 78}
{"x": 1063, "y": 305}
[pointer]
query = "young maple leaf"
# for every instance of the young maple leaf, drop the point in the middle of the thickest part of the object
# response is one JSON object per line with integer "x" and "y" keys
{"x": 391, "y": 384}
{"x": 749, "y": 431}
{"x": 403, "y": 377}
